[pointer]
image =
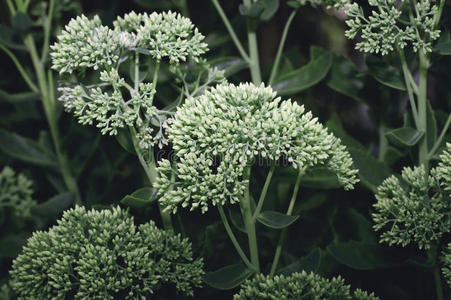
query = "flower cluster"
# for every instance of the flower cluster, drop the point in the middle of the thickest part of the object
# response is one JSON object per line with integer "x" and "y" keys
{"x": 217, "y": 135}
{"x": 15, "y": 193}
{"x": 103, "y": 255}
{"x": 416, "y": 209}
{"x": 308, "y": 286}
{"x": 113, "y": 103}
{"x": 446, "y": 259}
{"x": 387, "y": 27}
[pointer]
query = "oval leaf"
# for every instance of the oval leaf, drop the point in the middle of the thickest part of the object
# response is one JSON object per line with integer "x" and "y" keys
{"x": 362, "y": 256}
{"x": 25, "y": 149}
{"x": 304, "y": 77}
{"x": 443, "y": 48}
{"x": 140, "y": 198}
{"x": 228, "y": 277}
{"x": 309, "y": 263}
{"x": 54, "y": 206}
{"x": 229, "y": 64}
{"x": 124, "y": 139}
{"x": 406, "y": 136}
{"x": 276, "y": 220}
{"x": 343, "y": 78}
{"x": 237, "y": 220}
{"x": 384, "y": 73}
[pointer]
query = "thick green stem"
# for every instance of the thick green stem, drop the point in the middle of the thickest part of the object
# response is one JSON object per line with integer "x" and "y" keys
{"x": 407, "y": 75}
{"x": 253, "y": 52}
{"x": 383, "y": 143}
{"x": 275, "y": 67}
{"x": 232, "y": 34}
{"x": 249, "y": 223}
{"x": 283, "y": 235}
{"x": 48, "y": 100}
{"x": 47, "y": 27}
{"x": 433, "y": 255}
{"x": 422, "y": 110}
{"x": 261, "y": 200}
{"x": 234, "y": 240}
{"x": 152, "y": 174}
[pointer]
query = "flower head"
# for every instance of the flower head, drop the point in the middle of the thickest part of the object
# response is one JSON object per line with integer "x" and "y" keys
{"x": 15, "y": 193}
{"x": 103, "y": 255}
{"x": 216, "y": 136}
{"x": 298, "y": 286}
{"x": 417, "y": 208}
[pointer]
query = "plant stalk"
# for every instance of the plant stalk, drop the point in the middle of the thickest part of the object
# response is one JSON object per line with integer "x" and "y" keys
{"x": 253, "y": 52}
{"x": 275, "y": 67}
{"x": 282, "y": 238}
{"x": 422, "y": 110}
{"x": 261, "y": 200}
{"x": 249, "y": 223}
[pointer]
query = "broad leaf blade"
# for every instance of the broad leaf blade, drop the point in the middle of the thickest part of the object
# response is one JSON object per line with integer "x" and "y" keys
{"x": 53, "y": 207}
{"x": 229, "y": 64}
{"x": 276, "y": 220}
{"x": 304, "y": 77}
{"x": 343, "y": 78}
{"x": 385, "y": 73}
{"x": 361, "y": 256}
{"x": 140, "y": 198}
{"x": 25, "y": 149}
{"x": 309, "y": 263}
{"x": 443, "y": 48}
{"x": 405, "y": 136}
{"x": 228, "y": 277}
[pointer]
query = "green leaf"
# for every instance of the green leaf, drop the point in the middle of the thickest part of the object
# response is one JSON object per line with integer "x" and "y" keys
{"x": 385, "y": 73}
{"x": 294, "y": 4}
{"x": 19, "y": 97}
{"x": 309, "y": 263}
{"x": 311, "y": 202}
{"x": 237, "y": 220}
{"x": 405, "y": 136}
{"x": 371, "y": 171}
{"x": 124, "y": 139}
{"x": 140, "y": 198}
{"x": 276, "y": 220}
{"x": 362, "y": 226}
{"x": 304, "y": 77}
{"x": 21, "y": 22}
{"x": 320, "y": 178}
{"x": 228, "y": 277}
{"x": 362, "y": 256}
{"x": 392, "y": 155}
{"x": 53, "y": 207}
{"x": 270, "y": 7}
{"x": 343, "y": 78}
{"x": 443, "y": 48}
{"x": 25, "y": 149}
{"x": 229, "y": 64}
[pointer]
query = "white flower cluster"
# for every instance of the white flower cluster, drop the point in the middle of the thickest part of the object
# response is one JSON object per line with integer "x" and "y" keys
{"x": 85, "y": 44}
{"x": 416, "y": 209}
{"x": 387, "y": 27}
{"x": 217, "y": 135}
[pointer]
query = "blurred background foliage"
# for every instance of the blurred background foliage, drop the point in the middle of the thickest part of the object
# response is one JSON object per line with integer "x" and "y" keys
{"x": 358, "y": 96}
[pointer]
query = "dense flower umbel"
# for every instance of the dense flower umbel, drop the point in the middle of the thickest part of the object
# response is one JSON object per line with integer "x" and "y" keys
{"x": 415, "y": 210}
{"x": 308, "y": 286}
{"x": 216, "y": 136}
{"x": 113, "y": 103}
{"x": 103, "y": 255}
{"x": 446, "y": 259}
{"x": 15, "y": 193}
{"x": 388, "y": 26}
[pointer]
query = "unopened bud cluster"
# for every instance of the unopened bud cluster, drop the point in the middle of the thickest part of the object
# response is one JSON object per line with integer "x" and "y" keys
{"x": 15, "y": 193}
{"x": 85, "y": 45}
{"x": 217, "y": 135}
{"x": 299, "y": 286}
{"x": 415, "y": 209}
{"x": 103, "y": 255}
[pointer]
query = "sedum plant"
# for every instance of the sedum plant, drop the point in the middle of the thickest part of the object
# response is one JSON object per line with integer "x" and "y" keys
{"x": 218, "y": 136}
{"x": 127, "y": 101}
{"x": 104, "y": 255}
{"x": 418, "y": 209}
{"x": 299, "y": 286}
{"x": 415, "y": 209}
{"x": 16, "y": 193}
{"x": 446, "y": 259}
